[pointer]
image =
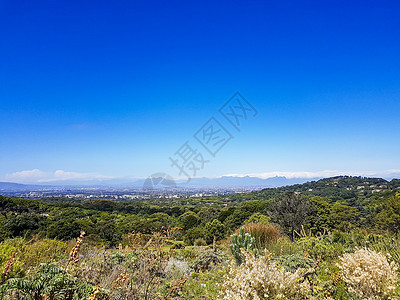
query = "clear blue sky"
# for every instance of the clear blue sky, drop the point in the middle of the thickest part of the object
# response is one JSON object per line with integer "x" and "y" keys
{"x": 114, "y": 89}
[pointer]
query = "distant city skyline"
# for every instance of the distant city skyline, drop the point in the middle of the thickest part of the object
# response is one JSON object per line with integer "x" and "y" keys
{"x": 99, "y": 91}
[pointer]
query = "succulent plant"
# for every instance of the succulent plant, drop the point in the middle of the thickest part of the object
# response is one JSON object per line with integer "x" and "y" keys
{"x": 241, "y": 241}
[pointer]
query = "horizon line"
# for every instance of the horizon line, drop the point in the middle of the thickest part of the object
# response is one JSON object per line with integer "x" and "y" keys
{"x": 36, "y": 176}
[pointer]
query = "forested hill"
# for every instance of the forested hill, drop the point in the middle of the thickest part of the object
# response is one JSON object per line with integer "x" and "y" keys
{"x": 336, "y": 188}
{"x": 338, "y": 203}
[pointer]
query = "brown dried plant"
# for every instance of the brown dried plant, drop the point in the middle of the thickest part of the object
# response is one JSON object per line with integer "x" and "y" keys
{"x": 9, "y": 264}
{"x": 176, "y": 288}
{"x": 73, "y": 255}
{"x": 121, "y": 279}
{"x": 148, "y": 270}
{"x": 96, "y": 291}
{"x": 336, "y": 279}
{"x": 169, "y": 231}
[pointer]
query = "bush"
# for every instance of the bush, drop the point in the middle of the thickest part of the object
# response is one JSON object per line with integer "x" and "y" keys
{"x": 290, "y": 211}
{"x": 44, "y": 251}
{"x": 193, "y": 234}
{"x": 177, "y": 245}
{"x": 264, "y": 234}
{"x": 200, "y": 242}
{"x": 369, "y": 274}
{"x": 260, "y": 278}
{"x": 214, "y": 229}
{"x": 294, "y": 261}
{"x": 284, "y": 246}
{"x": 7, "y": 248}
{"x": 207, "y": 259}
{"x": 320, "y": 247}
{"x": 47, "y": 282}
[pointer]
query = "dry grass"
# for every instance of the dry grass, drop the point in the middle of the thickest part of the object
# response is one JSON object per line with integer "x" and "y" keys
{"x": 264, "y": 234}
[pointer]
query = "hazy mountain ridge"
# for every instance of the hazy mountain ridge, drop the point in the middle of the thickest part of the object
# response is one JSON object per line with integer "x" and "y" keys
{"x": 343, "y": 183}
{"x": 247, "y": 181}
{"x": 220, "y": 182}
{"x": 12, "y": 186}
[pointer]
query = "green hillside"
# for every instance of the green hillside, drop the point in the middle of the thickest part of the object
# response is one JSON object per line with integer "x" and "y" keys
{"x": 302, "y": 231}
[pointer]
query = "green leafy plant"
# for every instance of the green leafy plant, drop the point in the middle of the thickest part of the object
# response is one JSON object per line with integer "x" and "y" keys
{"x": 241, "y": 241}
{"x": 293, "y": 262}
{"x": 319, "y": 247}
{"x": 49, "y": 281}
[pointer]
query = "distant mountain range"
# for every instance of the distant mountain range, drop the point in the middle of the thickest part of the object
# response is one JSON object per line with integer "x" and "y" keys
{"x": 167, "y": 182}
{"x": 159, "y": 182}
{"x": 246, "y": 181}
{"x": 11, "y": 186}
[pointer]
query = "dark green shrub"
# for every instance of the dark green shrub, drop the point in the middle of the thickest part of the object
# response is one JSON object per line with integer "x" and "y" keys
{"x": 178, "y": 245}
{"x": 294, "y": 261}
{"x": 319, "y": 247}
{"x": 207, "y": 259}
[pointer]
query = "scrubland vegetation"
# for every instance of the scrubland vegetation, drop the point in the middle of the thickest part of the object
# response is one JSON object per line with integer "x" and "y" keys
{"x": 332, "y": 239}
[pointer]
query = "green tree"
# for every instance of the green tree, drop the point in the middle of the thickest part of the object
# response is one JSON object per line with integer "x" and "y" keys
{"x": 321, "y": 218}
{"x": 291, "y": 211}
{"x": 189, "y": 220}
{"x": 343, "y": 216}
{"x": 214, "y": 228}
{"x": 207, "y": 214}
{"x": 388, "y": 216}
{"x": 25, "y": 222}
{"x": 65, "y": 229}
{"x": 258, "y": 218}
{"x": 194, "y": 233}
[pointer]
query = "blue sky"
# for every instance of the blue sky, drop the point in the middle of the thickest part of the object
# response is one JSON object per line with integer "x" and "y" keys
{"x": 94, "y": 89}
